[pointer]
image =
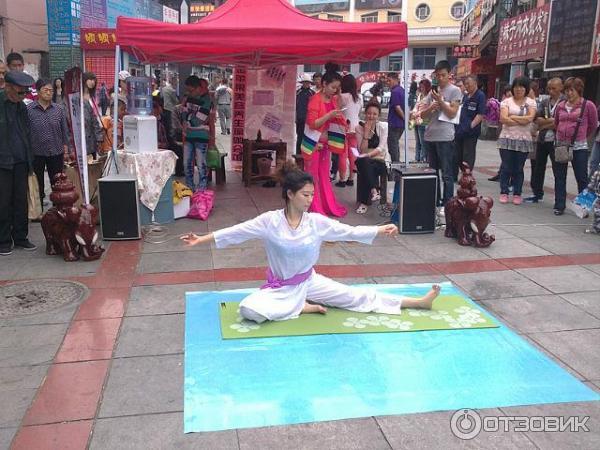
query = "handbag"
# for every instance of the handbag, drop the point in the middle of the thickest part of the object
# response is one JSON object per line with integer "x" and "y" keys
{"x": 563, "y": 152}
{"x": 34, "y": 205}
{"x": 201, "y": 204}
{"x": 213, "y": 158}
{"x": 583, "y": 204}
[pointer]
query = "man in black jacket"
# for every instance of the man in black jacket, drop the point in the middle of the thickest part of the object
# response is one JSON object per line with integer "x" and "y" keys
{"x": 16, "y": 162}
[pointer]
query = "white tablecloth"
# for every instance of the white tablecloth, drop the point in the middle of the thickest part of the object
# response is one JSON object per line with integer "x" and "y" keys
{"x": 152, "y": 170}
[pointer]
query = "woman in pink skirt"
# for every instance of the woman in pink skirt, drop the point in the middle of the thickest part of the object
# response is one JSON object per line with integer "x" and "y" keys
{"x": 324, "y": 132}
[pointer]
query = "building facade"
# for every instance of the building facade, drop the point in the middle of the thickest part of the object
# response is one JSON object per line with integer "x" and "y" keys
{"x": 23, "y": 29}
{"x": 536, "y": 38}
{"x": 433, "y": 24}
{"x": 433, "y": 29}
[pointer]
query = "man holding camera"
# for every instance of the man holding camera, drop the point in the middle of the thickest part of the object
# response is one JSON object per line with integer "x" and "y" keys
{"x": 441, "y": 108}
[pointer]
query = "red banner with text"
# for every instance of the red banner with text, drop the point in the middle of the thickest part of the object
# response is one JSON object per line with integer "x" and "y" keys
{"x": 523, "y": 37}
{"x": 239, "y": 113}
{"x": 98, "y": 38}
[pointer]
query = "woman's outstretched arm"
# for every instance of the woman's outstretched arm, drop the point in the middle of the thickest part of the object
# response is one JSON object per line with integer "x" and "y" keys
{"x": 390, "y": 230}
{"x": 236, "y": 234}
{"x": 333, "y": 231}
{"x": 194, "y": 239}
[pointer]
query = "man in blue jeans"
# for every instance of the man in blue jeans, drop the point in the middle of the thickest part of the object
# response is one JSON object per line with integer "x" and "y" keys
{"x": 197, "y": 114}
{"x": 439, "y": 134}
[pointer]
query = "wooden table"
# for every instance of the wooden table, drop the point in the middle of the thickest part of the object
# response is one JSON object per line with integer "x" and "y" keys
{"x": 251, "y": 146}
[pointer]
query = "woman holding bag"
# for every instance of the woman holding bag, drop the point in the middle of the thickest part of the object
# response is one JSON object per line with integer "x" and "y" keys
{"x": 324, "y": 132}
{"x": 576, "y": 120}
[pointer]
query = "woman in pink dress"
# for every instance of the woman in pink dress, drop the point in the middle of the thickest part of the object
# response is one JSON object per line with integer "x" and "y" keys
{"x": 324, "y": 132}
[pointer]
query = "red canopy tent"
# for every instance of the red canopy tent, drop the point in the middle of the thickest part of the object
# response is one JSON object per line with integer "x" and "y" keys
{"x": 259, "y": 33}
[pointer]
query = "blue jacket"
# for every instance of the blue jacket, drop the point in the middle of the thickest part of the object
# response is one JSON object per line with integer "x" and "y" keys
{"x": 471, "y": 106}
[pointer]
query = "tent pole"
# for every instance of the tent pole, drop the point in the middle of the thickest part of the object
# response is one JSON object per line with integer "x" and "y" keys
{"x": 83, "y": 168}
{"x": 406, "y": 108}
{"x": 115, "y": 100}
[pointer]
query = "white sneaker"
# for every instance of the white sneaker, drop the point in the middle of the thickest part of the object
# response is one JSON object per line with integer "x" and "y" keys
{"x": 441, "y": 211}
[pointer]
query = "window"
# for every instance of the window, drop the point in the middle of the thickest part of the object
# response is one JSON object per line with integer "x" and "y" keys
{"x": 422, "y": 12}
{"x": 457, "y": 10}
{"x": 313, "y": 68}
{"x": 423, "y": 58}
{"x": 371, "y": 17}
{"x": 335, "y": 18}
{"x": 395, "y": 63}
{"x": 371, "y": 66}
{"x": 394, "y": 17}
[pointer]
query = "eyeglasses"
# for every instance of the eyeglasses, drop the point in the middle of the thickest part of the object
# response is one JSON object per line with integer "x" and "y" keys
{"x": 23, "y": 93}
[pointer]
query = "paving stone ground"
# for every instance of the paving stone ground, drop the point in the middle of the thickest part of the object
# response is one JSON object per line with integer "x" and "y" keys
{"x": 107, "y": 372}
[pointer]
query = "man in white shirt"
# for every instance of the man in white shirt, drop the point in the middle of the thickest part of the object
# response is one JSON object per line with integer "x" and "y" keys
{"x": 224, "y": 95}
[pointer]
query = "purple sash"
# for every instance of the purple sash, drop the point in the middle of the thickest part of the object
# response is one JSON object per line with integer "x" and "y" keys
{"x": 273, "y": 282}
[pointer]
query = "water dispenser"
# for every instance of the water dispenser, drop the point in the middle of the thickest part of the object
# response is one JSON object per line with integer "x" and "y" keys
{"x": 139, "y": 96}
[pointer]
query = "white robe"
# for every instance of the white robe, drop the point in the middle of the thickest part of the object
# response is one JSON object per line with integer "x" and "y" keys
{"x": 294, "y": 251}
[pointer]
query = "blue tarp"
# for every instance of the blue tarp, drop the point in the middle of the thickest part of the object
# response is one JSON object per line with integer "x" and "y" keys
{"x": 286, "y": 380}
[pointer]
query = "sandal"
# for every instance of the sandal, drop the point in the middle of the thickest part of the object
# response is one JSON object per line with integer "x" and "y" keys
{"x": 376, "y": 197}
{"x": 361, "y": 209}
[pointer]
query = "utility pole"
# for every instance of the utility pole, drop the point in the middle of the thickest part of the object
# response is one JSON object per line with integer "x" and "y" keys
{"x": 406, "y": 85}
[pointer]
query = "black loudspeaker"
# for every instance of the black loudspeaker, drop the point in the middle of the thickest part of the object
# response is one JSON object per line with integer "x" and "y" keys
{"x": 119, "y": 209}
{"x": 415, "y": 195}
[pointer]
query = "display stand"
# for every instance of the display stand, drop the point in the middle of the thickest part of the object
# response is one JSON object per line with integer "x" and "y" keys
{"x": 252, "y": 146}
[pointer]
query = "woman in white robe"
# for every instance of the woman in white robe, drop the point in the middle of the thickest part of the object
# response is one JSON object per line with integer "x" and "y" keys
{"x": 293, "y": 238}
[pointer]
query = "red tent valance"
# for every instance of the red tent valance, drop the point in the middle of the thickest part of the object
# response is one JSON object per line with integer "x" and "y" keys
{"x": 259, "y": 33}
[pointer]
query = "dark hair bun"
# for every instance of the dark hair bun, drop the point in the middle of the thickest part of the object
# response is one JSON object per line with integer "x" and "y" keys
{"x": 292, "y": 178}
{"x": 286, "y": 169}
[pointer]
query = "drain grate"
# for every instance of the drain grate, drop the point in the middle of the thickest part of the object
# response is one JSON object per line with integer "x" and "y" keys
{"x": 33, "y": 297}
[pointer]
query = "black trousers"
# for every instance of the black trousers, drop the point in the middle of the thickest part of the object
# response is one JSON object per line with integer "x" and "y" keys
{"x": 369, "y": 170}
{"x": 543, "y": 151}
{"x": 464, "y": 150}
{"x": 299, "y": 134}
{"x": 335, "y": 163}
{"x": 54, "y": 164}
{"x": 14, "y": 225}
{"x": 579, "y": 164}
{"x": 178, "y": 150}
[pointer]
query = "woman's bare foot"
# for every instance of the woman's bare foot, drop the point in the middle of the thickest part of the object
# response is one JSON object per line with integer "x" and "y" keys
{"x": 423, "y": 302}
{"x": 427, "y": 301}
{"x": 309, "y": 308}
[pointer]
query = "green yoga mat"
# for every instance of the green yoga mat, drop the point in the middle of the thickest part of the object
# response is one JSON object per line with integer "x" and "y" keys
{"x": 449, "y": 312}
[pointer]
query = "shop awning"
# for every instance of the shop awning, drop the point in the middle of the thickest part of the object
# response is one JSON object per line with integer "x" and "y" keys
{"x": 259, "y": 33}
